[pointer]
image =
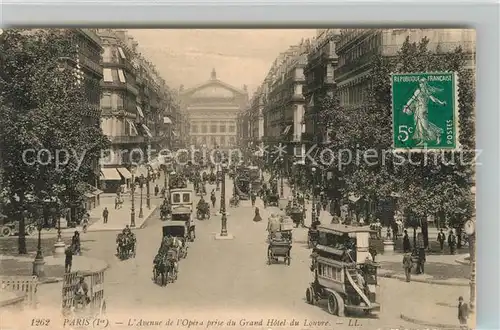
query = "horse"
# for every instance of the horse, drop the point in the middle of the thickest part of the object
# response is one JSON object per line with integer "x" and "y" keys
{"x": 234, "y": 202}
{"x": 160, "y": 269}
{"x": 118, "y": 202}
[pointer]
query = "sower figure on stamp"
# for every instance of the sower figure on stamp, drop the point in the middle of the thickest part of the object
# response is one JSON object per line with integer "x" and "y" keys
{"x": 425, "y": 131}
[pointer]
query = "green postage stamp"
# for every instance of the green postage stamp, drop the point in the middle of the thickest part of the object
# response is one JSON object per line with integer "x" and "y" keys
{"x": 425, "y": 111}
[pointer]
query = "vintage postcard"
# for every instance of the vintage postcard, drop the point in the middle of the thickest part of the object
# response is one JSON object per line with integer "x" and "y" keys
{"x": 313, "y": 179}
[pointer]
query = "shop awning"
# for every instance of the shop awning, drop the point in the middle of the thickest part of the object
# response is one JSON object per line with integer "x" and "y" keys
{"x": 287, "y": 129}
{"x": 167, "y": 120}
{"x": 139, "y": 111}
{"x": 110, "y": 174}
{"x": 97, "y": 192}
{"x": 146, "y": 129}
{"x": 124, "y": 172}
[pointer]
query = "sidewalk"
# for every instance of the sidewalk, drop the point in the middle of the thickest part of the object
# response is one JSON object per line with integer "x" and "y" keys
{"x": 439, "y": 269}
{"x": 430, "y": 307}
{"x": 54, "y": 267}
{"x": 119, "y": 218}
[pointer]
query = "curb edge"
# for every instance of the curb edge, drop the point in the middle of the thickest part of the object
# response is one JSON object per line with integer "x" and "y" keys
{"x": 397, "y": 276}
{"x": 428, "y": 324}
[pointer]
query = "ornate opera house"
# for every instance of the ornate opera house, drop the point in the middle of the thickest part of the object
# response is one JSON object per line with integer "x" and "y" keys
{"x": 212, "y": 108}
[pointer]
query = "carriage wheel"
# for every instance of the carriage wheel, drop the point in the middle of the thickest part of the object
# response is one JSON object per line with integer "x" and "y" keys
{"x": 164, "y": 279}
{"x": 5, "y": 231}
{"x": 30, "y": 230}
{"x": 310, "y": 295}
{"x": 269, "y": 256}
{"x": 288, "y": 259}
{"x": 309, "y": 243}
{"x": 333, "y": 305}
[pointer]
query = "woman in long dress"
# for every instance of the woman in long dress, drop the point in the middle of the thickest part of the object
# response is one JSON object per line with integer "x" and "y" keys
{"x": 425, "y": 131}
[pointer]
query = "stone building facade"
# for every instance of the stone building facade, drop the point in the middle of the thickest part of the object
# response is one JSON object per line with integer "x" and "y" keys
{"x": 283, "y": 106}
{"x": 213, "y": 108}
{"x": 320, "y": 82}
{"x": 356, "y": 47}
{"x": 135, "y": 102}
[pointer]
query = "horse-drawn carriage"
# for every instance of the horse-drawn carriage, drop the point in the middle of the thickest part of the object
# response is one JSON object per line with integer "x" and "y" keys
{"x": 212, "y": 178}
{"x": 247, "y": 179}
{"x": 165, "y": 210}
{"x": 344, "y": 272}
{"x": 12, "y": 228}
{"x": 165, "y": 267}
{"x": 271, "y": 198}
{"x": 296, "y": 212}
{"x": 126, "y": 245}
{"x": 179, "y": 233}
{"x": 203, "y": 211}
{"x": 184, "y": 213}
{"x": 279, "y": 247}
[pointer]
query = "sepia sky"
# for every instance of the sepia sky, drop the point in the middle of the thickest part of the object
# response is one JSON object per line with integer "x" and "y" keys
{"x": 187, "y": 56}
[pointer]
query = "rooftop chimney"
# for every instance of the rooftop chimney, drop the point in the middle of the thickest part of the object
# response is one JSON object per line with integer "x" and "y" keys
{"x": 213, "y": 76}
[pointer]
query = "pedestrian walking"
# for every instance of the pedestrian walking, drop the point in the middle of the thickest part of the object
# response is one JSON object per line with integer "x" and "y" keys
{"x": 68, "y": 261}
{"x": 463, "y": 313}
{"x": 406, "y": 242}
{"x": 105, "y": 215}
{"x": 257, "y": 217}
{"x": 318, "y": 208}
{"x": 407, "y": 265}
{"x": 441, "y": 238}
{"x": 157, "y": 189}
{"x": 253, "y": 197}
{"x": 452, "y": 241}
{"x": 213, "y": 199}
{"x": 421, "y": 260}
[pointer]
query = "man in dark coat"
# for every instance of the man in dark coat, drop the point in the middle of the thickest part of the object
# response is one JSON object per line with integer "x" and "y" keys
{"x": 463, "y": 313}
{"x": 407, "y": 265}
{"x": 441, "y": 238}
{"x": 421, "y": 260}
{"x": 406, "y": 242}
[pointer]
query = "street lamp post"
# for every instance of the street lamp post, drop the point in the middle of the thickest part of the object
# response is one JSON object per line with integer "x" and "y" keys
{"x": 223, "y": 233}
{"x": 148, "y": 196}
{"x": 132, "y": 210}
{"x": 313, "y": 207}
{"x": 281, "y": 177}
{"x": 38, "y": 263}
{"x": 59, "y": 246}
{"x": 141, "y": 214}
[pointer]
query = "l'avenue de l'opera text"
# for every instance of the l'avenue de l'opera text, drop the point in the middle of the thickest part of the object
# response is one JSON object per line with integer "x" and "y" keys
{"x": 209, "y": 324}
